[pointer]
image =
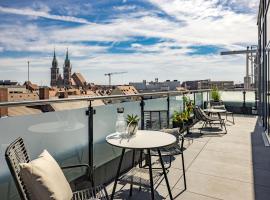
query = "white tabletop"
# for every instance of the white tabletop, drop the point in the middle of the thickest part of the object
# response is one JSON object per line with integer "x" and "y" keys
{"x": 212, "y": 110}
{"x": 143, "y": 139}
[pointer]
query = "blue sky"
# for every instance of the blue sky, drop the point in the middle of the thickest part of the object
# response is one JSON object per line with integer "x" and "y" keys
{"x": 167, "y": 39}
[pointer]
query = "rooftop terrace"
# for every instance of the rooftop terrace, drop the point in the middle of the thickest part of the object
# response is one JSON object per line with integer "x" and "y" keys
{"x": 235, "y": 165}
{"x": 218, "y": 166}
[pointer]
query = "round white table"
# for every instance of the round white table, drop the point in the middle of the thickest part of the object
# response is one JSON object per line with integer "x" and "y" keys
{"x": 215, "y": 111}
{"x": 144, "y": 139}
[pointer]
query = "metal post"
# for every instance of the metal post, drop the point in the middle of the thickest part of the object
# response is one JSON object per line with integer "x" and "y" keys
{"x": 90, "y": 113}
{"x": 168, "y": 111}
{"x": 207, "y": 97}
{"x": 244, "y": 101}
{"x": 194, "y": 97}
{"x": 142, "y": 113}
{"x": 28, "y": 77}
{"x": 184, "y": 105}
{"x": 202, "y": 100}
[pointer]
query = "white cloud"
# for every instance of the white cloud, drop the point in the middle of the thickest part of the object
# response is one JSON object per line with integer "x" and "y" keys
{"x": 191, "y": 22}
{"x": 42, "y": 14}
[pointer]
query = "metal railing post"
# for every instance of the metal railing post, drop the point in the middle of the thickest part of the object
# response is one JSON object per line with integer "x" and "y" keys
{"x": 207, "y": 99}
{"x": 244, "y": 101}
{"x": 184, "y": 105}
{"x": 194, "y": 97}
{"x": 142, "y": 112}
{"x": 168, "y": 111}
{"x": 90, "y": 113}
{"x": 202, "y": 100}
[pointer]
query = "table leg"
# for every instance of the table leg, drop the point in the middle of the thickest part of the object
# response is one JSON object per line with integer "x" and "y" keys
{"x": 133, "y": 163}
{"x": 118, "y": 172}
{"x": 165, "y": 175}
{"x": 151, "y": 175}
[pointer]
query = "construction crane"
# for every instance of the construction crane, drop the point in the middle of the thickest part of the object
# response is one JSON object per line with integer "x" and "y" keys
{"x": 113, "y": 73}
{"x": 251, "y": 56}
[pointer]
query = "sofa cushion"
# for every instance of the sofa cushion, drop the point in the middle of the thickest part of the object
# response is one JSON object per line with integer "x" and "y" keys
{"x": 44, "y": 179}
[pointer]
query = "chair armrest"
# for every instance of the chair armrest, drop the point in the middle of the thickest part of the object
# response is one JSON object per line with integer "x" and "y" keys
{"x": 88, "y": 170}
{"x": 74, "y": 166}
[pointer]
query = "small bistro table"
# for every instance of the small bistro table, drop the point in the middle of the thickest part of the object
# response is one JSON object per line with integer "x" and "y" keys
{"x": 215, "y": 111}
{"x": 143, "y": 140}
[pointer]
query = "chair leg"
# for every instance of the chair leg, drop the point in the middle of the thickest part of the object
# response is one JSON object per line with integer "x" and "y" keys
{"x": 118, "y": 173}
{"x": 151, "y": 175}
{"x": 225, "y": 127}
{"x": 221, "y": 124}
{"x": 184, "y": 171}
{"x": 204, "y": 123}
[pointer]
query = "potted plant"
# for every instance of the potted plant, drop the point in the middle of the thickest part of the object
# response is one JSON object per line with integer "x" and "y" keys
{"x": 215, "y": 96}
{"x": 189, "y": 105}
{"x": 179, "y": 119}
{"x": 132, "y": 121}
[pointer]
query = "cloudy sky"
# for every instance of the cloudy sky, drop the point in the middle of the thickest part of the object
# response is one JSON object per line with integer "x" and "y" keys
{"x": 167, "y": 39}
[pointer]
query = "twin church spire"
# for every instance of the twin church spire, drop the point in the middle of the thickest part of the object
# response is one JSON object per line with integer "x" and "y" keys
{"x": 56, "y": 78}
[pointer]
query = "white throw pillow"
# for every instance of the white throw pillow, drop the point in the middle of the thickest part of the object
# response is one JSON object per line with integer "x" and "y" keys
{"x": 44, "y": 179}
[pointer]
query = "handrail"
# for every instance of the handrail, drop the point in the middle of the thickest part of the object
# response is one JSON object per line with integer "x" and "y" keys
{"x": 47, "y": 101}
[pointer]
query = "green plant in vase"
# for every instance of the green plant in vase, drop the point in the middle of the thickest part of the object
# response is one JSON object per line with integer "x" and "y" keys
{"x": 215, "y": 95}
{"x": 189, "y": 105}
{"x": 178, "y": 119}
{"x": 132, "y": 122}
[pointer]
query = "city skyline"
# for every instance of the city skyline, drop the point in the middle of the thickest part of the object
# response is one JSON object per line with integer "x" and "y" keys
{"x": 164, "y": 39}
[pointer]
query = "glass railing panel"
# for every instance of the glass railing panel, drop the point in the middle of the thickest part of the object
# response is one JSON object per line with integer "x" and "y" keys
{"x": 156, "y": 104}
{"x": 199, "y": 99}
{"x": 104, "y": 124}
{"x": 63, "y": 133}
{"x": 176, "y": 104}
{"x": 235, "y": 98}
{"x": 206, "y": 97}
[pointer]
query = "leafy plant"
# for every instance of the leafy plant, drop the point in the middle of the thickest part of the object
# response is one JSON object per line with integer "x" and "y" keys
{"x": 180, "y": 117}
{"x": 189, "y": 105}
{"x": 132, "y": 119}
{"x": 177, "y": 117}
{"x": 215, "y": 95}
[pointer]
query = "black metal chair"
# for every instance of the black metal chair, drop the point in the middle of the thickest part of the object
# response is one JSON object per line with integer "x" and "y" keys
{"x": 174, "y": 150}
{"x": 155, "y": 119}
{"x": 226, "y": 113}
{"x": 16, "y": 153}
{"x": 201, "y": 116}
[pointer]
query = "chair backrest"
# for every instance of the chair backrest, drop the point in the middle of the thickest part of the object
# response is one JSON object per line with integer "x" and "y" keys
{"x": 219, "y": 107}
{"x": 197, "y": 113}
{"x": 205, "y": 117}
{"x": 155, "y": 119}
{"x": 15, "y": 154}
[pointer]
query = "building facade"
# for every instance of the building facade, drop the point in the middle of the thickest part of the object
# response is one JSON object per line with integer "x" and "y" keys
{"x": 68, "y": 80}
{"x": 263, "y": 56}
{"x": 197, "y": 84}
{"x": 67, "y": 72}
{"x": 156, "y": 86}
{"x": 54, "y": 71}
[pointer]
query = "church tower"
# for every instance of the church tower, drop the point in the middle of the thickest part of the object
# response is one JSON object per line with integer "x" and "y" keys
{"x": 67, "y": 72}
{"x": 54, "y": 71}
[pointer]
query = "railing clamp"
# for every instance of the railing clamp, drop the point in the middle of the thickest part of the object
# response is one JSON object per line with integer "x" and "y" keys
{"x": 87, "y": 112}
